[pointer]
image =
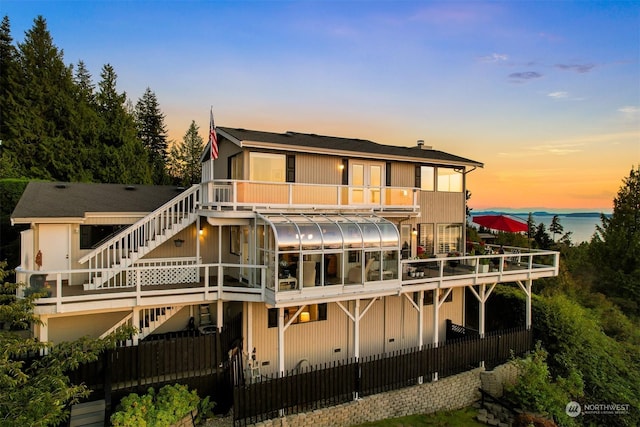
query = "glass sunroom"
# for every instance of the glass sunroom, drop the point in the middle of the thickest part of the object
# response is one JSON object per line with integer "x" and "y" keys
{"x": 308, "y": 250}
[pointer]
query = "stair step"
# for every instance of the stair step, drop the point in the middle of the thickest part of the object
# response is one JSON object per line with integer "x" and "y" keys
{"x": 88, "y": 414}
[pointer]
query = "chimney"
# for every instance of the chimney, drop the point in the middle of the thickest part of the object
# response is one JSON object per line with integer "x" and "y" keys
{"x": 422, "y": 146}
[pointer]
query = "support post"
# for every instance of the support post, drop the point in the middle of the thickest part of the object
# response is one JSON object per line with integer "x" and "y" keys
{"x": 281, "y": 341}
{"x": 135, "y": 320}
{"x": 219, "y": 314}
{"x": 528, "y": 305}
{"x": 483, "y": 298}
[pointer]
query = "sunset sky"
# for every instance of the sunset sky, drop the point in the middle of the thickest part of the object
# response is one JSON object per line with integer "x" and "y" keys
{"x": 545, "y": 94}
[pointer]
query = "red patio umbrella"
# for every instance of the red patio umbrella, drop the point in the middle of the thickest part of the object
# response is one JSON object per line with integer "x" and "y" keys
{"x": 501, "y": 223}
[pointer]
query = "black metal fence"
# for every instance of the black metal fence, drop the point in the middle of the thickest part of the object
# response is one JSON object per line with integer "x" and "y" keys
{"x": 200, "y": 361}
{"x": 340, "y": 382}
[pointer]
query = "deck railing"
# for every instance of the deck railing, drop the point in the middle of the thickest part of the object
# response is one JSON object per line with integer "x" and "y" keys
{"x": 165, "y": 281}
{"x": 239, "y": 194}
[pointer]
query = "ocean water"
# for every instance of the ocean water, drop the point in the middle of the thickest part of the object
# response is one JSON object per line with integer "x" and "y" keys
{"x": 582, "y": 227}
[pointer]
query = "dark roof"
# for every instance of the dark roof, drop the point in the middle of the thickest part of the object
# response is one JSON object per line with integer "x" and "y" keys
{"x": 73, "y": 200}
{"x": 345, "y": 144}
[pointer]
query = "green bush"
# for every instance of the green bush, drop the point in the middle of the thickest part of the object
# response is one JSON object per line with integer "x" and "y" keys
{"x": 536, "y": 391}
{"x": 166, "y": 407}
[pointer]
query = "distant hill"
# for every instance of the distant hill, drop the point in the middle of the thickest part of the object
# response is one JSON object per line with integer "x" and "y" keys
{"x": 525, "y": 215}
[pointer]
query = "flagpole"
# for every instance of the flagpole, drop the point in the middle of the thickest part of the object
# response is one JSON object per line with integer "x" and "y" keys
{"x": 211, "y": 145}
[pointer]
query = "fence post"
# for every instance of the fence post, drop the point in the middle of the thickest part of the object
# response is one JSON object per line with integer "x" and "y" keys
{"x": 106, "y": 360}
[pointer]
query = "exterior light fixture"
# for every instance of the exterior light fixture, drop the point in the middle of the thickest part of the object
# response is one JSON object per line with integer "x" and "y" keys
{"x": 414, "y": 231}
{"x": 178, "y": 242}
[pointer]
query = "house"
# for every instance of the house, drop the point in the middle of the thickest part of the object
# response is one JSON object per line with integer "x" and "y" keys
{"x": 328, "y": 248}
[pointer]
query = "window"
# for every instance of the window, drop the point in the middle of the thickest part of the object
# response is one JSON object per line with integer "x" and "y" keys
{"x": 449, "y": 238}
{"x": 449, "y": 180}
{"x": 267, "y": 167}
{"x": 310, "y": 313}
{"x": 425, "y": 238}
{"x": 234, "y": 240}
{"x": 235, "y": 167}
{"x": 92, "y": 235}
{"x": 428, "y": 297}
{"x": 426, "y": 300}
{"x": 427, "y": 178}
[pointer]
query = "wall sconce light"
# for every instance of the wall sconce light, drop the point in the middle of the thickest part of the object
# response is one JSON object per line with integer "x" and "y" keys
{"x": 304, "y": 317}
{"x": 178, "y": 242}
{"x": 414, "y": 232}
{"x": 201, "y": 231}
{"x": 340, "y": 167}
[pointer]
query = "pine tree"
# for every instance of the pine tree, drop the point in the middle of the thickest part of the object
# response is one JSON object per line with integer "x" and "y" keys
{"x": 9, "y": 165}
{"x": 184, "y": 158}
{"x": 122, "y": 156}
{"x": 153, "y": 134}
{"x": 44, "y": 135}
{"x": 555, "y": 227}
{"x": 615, "y": 247}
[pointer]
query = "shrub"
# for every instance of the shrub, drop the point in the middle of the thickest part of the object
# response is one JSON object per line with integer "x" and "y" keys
{"x": 535, "y": 390}
{"x": 166, "y": 407}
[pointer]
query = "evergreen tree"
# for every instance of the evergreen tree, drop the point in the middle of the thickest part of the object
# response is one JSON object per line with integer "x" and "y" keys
{"x": 531, "y": 230}
{"x": 184, "y": 158}
{"x": 153, "y": 134}
{"x": 9, "y": 166}
{"x": 555, "y": 227}
{"x": 42, "y": 136}
{"x": 615, "y": 247}
{"x": 122, "y": 155}
{"x": 541, "y": 237}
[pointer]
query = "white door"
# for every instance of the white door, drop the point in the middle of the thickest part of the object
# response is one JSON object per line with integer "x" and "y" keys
{"x": 54, "y": 245}
{"x": 366, "y": 182}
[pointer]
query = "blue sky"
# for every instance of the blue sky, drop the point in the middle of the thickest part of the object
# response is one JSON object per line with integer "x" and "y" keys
{"x": 546, "y": 94}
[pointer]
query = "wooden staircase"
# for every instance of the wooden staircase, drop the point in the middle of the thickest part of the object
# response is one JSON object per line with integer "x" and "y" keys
{"x": 150, "y": 320}
{"x": 109, "y": 260}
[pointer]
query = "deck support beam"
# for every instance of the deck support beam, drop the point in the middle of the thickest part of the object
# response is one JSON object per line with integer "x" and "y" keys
{"x": 527, "y": 290}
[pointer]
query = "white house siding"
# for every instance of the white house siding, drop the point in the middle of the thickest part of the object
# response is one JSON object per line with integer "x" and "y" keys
{"x": 442, "y": 207}
{"x": 389, "y": 325}
{"x": 318, "y": 169}
{"x": 68, "y": 328}
{"x": 403, "y": 174}
{"x": 317, "y": 342}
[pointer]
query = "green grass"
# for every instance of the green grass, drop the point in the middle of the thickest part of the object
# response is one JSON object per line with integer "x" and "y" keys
{"x": 461, "y": 418}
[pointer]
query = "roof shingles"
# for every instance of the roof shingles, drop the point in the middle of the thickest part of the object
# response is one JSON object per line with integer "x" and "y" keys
{"x": 337, "y": 144}
{"x": 74, "y": 200}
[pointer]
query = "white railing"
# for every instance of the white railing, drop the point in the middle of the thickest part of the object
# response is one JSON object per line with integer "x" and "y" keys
{"x": 513, "y": 264}
{"x": 214, "y": 280}
{"x": 239, "y": 194}
{"x": 249, "y": 282}
{"x": 126, "y": 247}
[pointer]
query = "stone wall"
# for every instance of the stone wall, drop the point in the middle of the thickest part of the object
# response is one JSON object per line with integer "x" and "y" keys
{"x": 455, "y": 392}
{"x": 493, "y": 381}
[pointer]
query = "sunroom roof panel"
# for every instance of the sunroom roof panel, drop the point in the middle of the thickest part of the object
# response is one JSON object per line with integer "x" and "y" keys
{"x": 321, "y": 231}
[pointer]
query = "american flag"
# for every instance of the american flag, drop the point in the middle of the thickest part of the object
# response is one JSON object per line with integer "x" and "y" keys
{"x": 213, "y": 139}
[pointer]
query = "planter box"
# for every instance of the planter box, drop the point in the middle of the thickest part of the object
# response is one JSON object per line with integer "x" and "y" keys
{"x": 483, "y": 268}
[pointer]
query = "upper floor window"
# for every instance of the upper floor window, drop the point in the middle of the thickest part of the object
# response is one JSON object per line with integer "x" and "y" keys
{"x": 427, "y": 178}
{"x": 267, "y": 167}
{"x": 449, "y": 180}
